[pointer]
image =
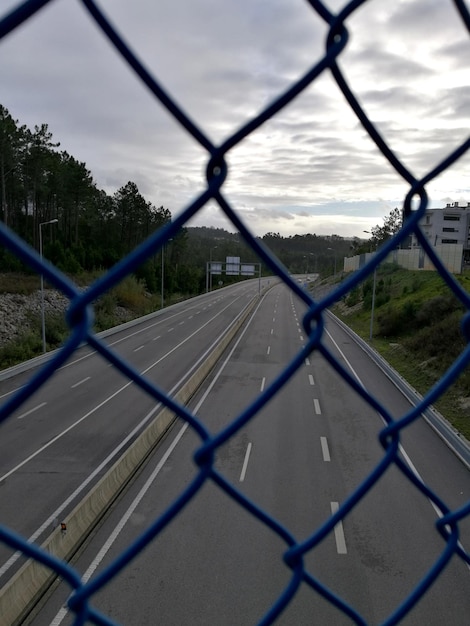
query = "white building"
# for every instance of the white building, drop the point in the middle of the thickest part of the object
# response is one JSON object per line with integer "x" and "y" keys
{"x": 450, "y": 225}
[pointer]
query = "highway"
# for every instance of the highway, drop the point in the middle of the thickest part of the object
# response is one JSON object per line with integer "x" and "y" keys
{"x": 298, "y": 459}
{"x": 63, "y": 439}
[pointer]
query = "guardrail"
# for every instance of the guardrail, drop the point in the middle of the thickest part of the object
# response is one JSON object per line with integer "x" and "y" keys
{"x": 80, "y": 321}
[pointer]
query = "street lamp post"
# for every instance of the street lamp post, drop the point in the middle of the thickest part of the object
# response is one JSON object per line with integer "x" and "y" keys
{"x": 374, "y": 282}
{"x": 315, "y": 256}
{"x": 210, "y": 267}
{"x": 43, "y": 317}
{"x": 163, "y": 275}
{"x": 334, "y": 251}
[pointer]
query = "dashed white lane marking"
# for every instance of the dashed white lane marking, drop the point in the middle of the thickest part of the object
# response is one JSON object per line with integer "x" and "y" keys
{"x": 339, "y": 532}
{"x": 268, "y": 350}
{"x": 245, "y": 462}
{"x": 80, "y": 382}
{"x": 263, "y": 382}
{"x": 307, "y": 361}
{"x": 316, "y": 405}
{"x": 169, "y": 330}
{"x": 36, "y": 408}
{"x": 310, "y": 379}
{"x": 157, "y": 337}
{"x": 139, "y": 348}
{"x": 324, "y": 448}
{"x": 272, "y": 331}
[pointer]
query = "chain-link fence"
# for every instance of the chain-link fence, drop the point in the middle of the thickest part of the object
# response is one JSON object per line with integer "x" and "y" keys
{"x": 79, "y": 317}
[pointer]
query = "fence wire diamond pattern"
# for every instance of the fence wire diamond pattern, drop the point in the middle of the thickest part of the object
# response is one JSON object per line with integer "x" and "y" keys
{"x": 80, "y": 319}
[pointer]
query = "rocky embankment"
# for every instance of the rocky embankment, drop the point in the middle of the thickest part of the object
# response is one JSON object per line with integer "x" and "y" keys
{"x": 17, "y": 310}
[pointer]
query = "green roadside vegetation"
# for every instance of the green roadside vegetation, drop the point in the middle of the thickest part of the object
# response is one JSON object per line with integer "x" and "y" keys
{"x": 130, "y": 299}
{"x": 417, "y": 329}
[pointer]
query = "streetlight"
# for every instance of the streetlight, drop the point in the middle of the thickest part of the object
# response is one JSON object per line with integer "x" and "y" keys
{"x": 316, "y": 260}
{"x": 373, "y": 297}
{"x": 335, "y": 257}
{"x": 163, "y": 272}
{"x": 210, "y": 267}
{"x": 43, "y": 319}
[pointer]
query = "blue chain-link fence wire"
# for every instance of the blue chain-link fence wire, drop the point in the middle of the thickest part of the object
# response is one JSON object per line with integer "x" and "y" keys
{"x": 80, "y": 319}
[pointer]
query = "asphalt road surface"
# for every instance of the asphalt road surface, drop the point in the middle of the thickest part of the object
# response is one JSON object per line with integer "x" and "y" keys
{"x": 58, "y": 444}
{"x": 298, "y": 460}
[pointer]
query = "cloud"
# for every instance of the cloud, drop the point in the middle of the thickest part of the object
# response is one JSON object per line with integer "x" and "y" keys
{"x": 223, "y": 64}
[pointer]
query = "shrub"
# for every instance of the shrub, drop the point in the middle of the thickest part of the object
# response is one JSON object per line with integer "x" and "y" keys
{"x": 436, "y": 309}
{"x": 353, "y": 297}
{"x": 394, "y": 321}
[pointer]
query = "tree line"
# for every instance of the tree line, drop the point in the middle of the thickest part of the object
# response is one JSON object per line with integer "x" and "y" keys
{"x": 40, "y": 182}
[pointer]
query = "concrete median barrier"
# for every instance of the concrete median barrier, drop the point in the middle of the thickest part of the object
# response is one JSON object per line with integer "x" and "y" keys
{"x": 25, "y": 588}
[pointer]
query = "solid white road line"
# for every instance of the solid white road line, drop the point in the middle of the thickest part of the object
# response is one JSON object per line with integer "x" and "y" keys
{"x": 123, "y": 521}
{"x": 339, "y": 532}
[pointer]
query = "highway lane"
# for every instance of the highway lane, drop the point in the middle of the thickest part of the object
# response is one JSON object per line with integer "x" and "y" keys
{"x": 64, "y": 437}
{"x": 298, "y": 459}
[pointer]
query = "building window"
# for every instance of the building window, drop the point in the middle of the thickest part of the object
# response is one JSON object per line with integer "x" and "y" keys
{"x": 452, "y": 218}
{"x": 448, "y": 230}
{"x": 449, "y": 241}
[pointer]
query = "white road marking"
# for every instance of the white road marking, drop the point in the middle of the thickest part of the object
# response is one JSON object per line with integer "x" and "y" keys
{"x": 124, "y": 519}
{"x": 8, "y": 393}
{"x": 310, "y": 379}
{"x": 263, "y": 382}
{"x": 169, "y": 330}
{"x": 272, "y": 331}
{"x": 324, "y": 448}
{"x": 245, "y": 462}
{"x": 139, "y": 348}
{"x": 80, "y": 382}
{"x": 157, "y": 337}
{"x": 307, "y": 361}
{"x": 339, "y": 532}
{"x": 58, "y": 619}
{"x": 316, "y": 404}
{"x": 36, "y": 408}
{"x": 268, "y": 350}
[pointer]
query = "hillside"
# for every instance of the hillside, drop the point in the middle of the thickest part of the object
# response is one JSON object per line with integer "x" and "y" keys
{"x": 417, "y": 329}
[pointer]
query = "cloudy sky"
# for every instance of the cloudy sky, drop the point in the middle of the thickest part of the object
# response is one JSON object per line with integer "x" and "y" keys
{"x": 311, "y": 168}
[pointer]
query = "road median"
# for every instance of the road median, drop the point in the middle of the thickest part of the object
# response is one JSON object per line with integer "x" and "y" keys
{"x": 25, "y": 588}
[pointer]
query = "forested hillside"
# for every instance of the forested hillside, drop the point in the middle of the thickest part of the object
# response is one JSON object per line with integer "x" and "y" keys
{"x": 40, "y": 182}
